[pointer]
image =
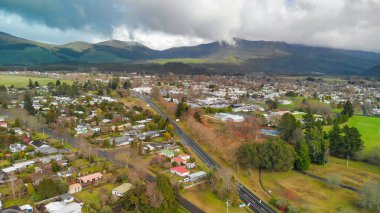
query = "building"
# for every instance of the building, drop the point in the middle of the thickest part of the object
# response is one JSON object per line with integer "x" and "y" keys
{"x": 179, "y": 161}
{"x": 60, "y": 207}
{"x": 26, "y": 208}
{"x": 18, "y": 166}
{"x": 166, "y": 152}
{"x": 122, "y": 189}
{"x": 17, "y": 147}
{"x": 229, "y": 117}
{"x": 74, "y": 188}
{"x": 197, "y": 176}
{"x": 180, "y": 170}
{"x": 123, "y": 140}
{"x": 66, "y": 198}
{"x": 3, "y": 124}
{"x": 184, "y": 156}
{"x": 90, "y": 178}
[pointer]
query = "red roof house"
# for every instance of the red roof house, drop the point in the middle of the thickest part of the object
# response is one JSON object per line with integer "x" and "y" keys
{"x": 180, "y": 170}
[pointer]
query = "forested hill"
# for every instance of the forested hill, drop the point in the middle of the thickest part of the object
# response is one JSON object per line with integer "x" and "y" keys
{"x": 242, "y": 57}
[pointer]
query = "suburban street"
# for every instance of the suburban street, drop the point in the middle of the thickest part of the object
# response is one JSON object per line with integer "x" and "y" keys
{"x": 245, "y": 194}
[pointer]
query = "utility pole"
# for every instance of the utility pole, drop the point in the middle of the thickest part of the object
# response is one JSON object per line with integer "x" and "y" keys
{"x": 227, "y": 205}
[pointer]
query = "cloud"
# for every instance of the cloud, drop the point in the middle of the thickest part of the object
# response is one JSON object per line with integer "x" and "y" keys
{"x": 350, "y": 24}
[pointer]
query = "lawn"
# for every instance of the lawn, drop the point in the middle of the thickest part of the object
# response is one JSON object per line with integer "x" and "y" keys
{"x": 202, "y": 197}
{"x": 369, "y": 128}
{"x": 16, "y": 202}
{"x": 4, "y": 163}
{"x": 23, "y": 81}
{"x": 308, "y": 194}
{"x": 40, "y": 136}
{"x": 91, "y": 196}
{"x": 355, "y": 175}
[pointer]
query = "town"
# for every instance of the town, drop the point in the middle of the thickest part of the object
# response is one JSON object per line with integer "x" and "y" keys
{"x": 93, "y": 142}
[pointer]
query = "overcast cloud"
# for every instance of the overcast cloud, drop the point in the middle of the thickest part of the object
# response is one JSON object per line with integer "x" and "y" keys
{"x": 160, "y": 24}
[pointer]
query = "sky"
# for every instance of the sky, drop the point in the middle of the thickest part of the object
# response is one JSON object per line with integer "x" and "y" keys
{"x": 161, "y": 24}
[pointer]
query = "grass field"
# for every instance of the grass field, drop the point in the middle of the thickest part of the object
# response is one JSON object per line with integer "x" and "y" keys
{"x": 356, "y": 175}
{"x": 23, "y": 81}
{"x": 369, "y": 128}
{"x": 202, "y": 197}
{"x": 308, "y": 194}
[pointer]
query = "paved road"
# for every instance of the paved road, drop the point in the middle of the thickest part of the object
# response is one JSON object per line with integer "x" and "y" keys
{"x": 245, "y": 194}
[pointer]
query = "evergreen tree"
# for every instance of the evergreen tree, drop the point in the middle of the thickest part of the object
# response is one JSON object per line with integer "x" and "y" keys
{"x": 352, "y": 141}
{"x": 28, "y": 104}
{"x": 348, "y": 109}
{"x": 36, "y": 84}
{"x": 336, "y": 140}
{"x": 57, "y": 83}
{"x": 286, "y": 126}
{"x": 30, "y": 85}
{"x": 302, "y": 161}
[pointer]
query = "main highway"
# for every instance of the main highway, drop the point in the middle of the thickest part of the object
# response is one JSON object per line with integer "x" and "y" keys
{"x": 255, "y": 203}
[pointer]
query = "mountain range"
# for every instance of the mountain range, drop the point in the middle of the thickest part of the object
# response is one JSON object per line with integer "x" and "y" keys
{"x": 245, "y": 56}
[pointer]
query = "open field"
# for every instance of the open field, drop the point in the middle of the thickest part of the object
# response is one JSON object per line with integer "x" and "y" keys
{"x": 354, "y": 176}
{"x": 23, "y": 81}
{"x": 308, "y": 194}
{"x": 369, "y": 128}
{"x": 202, "y": 197}
{"x": 131, "y": 101}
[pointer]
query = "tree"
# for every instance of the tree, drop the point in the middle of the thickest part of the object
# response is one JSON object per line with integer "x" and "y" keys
{"x": 197, "y": 117}
{"x": 30, "y": 189}
{"x": 57, "y": 83}
{"x": 370, "y": 196}
{"x": 286, "y": 126}
{"x": 182, "y": 107}
{"x": 271, "y": 104}
{"x": 47, "y": 188}
{"x": 55, "y": 166}
{"x": 167, "y": 136}
{"x": 30, "y": 85}
{"x": 336, "y": 140}
{"x": 17, "y": 123}
{"x": 352, "y": 142}
{"x": 166, "y": 188}
{"x": 126, "y": 85}
{"x": 302, "y": 161}
{"x": 348, "y": 109}
{"x": 36, "y": 84}
{"x": 28, "y": 104}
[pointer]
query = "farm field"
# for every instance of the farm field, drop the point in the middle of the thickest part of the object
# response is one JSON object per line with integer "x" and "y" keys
{"x": 308, "y": 194}
{"x": 23, "y": 81}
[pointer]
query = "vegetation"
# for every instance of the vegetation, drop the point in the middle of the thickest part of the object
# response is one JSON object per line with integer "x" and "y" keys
{"x": 370, "y": 196}
{"x": 273, "y": 154}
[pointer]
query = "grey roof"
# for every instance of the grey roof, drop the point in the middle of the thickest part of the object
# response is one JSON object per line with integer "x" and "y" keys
{"x": 65, "y": 196}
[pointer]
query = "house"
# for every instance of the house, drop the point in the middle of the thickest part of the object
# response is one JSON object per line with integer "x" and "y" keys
{"x": 17, "y": 147}
{"x": 197, "y": 175}
{"x": 26, "y": 208}
{"x": 123, "y": 140}
{"x": 122, "y": 189}
{"x": 38, "y": 144}
{"x": 74, "y": 188}
{"x": 90, "y": 178}
{"x": 224, "y": 117}
{"x": 65, "y": 173}
{"x": 60, "y": 207}
{"x": 66, "y": 198}
{"x": 18, "y": 166}
{"x": 190, "y": 165}
{"x": 184, "y": 156}
{"x": 166, "y": 152}
{"x": 179, "y": 161}
{"x": 3, "y": 124}
{"x": 180, "y": 170}
{"x": 47, "y": 150}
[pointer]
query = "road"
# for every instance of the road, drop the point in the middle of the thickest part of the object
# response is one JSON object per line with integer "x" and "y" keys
{"x": 245, "y": 194}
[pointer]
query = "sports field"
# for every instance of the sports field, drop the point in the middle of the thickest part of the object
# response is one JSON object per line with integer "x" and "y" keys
{"x": 23, "y": 81}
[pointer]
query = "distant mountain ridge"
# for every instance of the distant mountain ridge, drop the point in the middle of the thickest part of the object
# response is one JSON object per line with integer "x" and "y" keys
{"x": 251, "y": 56}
